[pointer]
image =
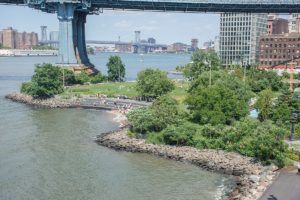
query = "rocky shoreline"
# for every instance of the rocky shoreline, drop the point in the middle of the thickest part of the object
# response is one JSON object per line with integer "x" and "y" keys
{"x": 43, "y": 103}
{"x": 251, "y": 177}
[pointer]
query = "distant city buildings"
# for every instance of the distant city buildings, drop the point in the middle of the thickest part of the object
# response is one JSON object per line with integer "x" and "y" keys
{"x": 208, "y": 45}
{"x": 11, "y": 38}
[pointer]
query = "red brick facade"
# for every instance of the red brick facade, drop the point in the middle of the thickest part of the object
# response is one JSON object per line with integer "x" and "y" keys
{"x": 276, "y": 50}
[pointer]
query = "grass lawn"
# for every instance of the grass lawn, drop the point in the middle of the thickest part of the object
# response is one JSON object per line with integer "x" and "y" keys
{"x": 122, "y": 88}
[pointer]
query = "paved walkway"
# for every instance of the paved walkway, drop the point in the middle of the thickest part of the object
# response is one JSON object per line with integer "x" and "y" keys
{"x": 285, "y": 187}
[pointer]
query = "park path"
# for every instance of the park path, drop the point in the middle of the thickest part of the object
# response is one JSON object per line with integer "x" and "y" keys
{"x": 285, "y": 187}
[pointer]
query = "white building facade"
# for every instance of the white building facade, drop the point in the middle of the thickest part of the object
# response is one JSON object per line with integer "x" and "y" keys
{"x": 239, "y": 37}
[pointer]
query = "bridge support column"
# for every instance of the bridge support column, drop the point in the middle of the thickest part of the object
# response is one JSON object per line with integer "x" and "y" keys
{"x": 79, "y": 38}
{"x": 66, "y": 53}
{"x": 72, "y": 46}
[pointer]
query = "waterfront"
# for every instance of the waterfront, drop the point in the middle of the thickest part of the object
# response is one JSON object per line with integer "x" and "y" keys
{"x": 51, "y": 154}
{"x": 165, "y": 62}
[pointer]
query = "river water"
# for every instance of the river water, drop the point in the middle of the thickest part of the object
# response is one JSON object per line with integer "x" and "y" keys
{"x": 51, "y": 154}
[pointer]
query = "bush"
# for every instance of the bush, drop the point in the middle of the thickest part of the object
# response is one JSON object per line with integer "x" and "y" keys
{"x": 179, "y": 135}
{"x": 46, "y": 82}
{"x": 97, "y": 78}
{"x": 26, "y": 87}
{"x": 143, "y": 120}
{"x": 216, "y": 105}
{"x": 153, "y": 83}
{"x": 69, "y": 76}
{"x": 82, "y": 78}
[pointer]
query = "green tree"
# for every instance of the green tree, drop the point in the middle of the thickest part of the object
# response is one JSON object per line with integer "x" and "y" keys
{"x": 262, "y": 79}
{"x": 116, "y": 69}
{"x": 45, "y": 83}
{"x": 153, "y": 83}
{"x": 216, "y": 105}
{"x": 201, "y": 61}
{"x": 264, "y": 104}
{"x": 142, "y": 120}
{"x": 165, "y": 109}
{"x": 221, "y": 78}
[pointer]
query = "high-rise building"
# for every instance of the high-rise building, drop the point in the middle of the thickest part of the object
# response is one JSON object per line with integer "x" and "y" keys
{"x": 21, "y": 40}
{"x": 239, "y": 37}
{"x": 54, "y": 36}
{"x": 13, "y": 39}
{"x": 194, "y": 44}
{"x": 34, "y": 38}
{"x": 9, "y": 38}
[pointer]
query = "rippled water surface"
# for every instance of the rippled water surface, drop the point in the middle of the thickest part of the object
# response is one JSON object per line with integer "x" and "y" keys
{"x": 51, "y": 154}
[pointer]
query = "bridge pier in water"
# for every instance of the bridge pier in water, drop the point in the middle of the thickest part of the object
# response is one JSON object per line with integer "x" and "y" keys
{"x": 72, "y": 46}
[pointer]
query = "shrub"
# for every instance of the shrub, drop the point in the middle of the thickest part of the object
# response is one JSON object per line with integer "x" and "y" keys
{"x": 82, "y": 78}
{"x": 216, "y": 105}
{"x": 153, "y": 83}
{"x": 97, "y": 78}
{"x": 142, "y": 120}
{"x": 46, "y": 82}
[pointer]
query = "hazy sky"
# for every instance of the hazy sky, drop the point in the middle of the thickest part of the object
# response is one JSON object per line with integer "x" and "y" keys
{"x": 165, "y": 27}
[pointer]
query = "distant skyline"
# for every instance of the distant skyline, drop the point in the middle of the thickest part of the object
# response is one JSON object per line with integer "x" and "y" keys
{"x": 165, "y": 27}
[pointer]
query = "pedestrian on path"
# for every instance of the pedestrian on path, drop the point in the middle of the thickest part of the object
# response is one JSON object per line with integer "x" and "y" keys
{"x": 298, "y": 169}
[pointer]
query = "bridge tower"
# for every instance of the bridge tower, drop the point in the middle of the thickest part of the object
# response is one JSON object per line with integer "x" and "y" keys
{"x": 72, "y": 18}
{"x": 43, "y": 33}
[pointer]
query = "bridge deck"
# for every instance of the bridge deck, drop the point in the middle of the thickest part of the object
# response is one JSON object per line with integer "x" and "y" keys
{"x": 251, "y": 6}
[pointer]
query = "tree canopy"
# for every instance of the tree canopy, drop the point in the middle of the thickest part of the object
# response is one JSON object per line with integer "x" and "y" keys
{"x": 45, "y": 83}
{"x": 153, "y": 83}
{"x": 116, "y": 69}
{"x": 201, "y": 61}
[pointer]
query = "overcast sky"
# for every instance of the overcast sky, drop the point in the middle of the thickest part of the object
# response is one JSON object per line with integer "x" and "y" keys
{"x": 165, "y": 27}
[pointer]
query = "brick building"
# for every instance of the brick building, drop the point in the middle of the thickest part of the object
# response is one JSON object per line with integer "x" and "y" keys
{"x": 277, "y": 25}
{"x": 11, "y": 38}
{"x": 276, "y": 50}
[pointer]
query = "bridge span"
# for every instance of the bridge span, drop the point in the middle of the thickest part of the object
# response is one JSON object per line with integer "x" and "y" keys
{"x": 72, "y": 15}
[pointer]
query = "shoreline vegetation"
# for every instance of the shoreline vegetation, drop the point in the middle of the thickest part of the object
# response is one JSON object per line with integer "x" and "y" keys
{"x": 251, "y": 178}
{"x": 203, "y": 120}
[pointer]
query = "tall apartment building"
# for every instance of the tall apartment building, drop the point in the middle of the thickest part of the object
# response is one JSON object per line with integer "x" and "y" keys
{"x": 13, "y": 39}
{"x": 9, "y": 38}
{"x": 239, "y": 37}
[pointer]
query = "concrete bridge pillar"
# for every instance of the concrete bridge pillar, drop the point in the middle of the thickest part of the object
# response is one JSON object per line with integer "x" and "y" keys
{"x": 72, "y": 46}
{"x": 65, "y": 15}
{"x": 79, "y": 38}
